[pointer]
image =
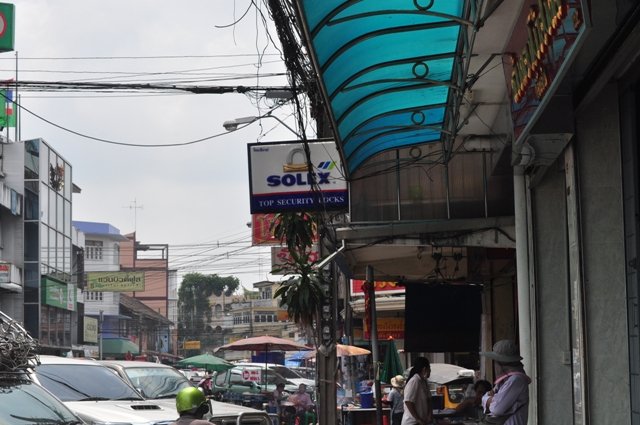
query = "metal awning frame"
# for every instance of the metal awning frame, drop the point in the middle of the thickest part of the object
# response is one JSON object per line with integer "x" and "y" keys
{"x": 469, "y": 26}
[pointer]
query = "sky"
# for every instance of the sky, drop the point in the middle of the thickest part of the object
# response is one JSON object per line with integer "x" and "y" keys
{"x": 194, "y": 197}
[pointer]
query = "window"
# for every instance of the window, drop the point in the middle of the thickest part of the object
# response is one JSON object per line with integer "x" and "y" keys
{"x": 266, "y": 294}
{"x": 93, "y": 250}
{"x": 94, "y": 296}
{"x": 265, "y": 316}
{"x": 235, "y": 379}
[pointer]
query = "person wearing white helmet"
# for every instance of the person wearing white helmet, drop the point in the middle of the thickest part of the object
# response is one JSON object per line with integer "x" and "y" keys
{"x": 192, "y": 405}
{"x": 508, "y": 402}
{"x": 396, "y": 399}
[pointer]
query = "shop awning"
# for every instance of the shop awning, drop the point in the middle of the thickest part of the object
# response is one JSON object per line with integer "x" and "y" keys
{"x": 392, "y": 72}
{"x": 113, "y": 346}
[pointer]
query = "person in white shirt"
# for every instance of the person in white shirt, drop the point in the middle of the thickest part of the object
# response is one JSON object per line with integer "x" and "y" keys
{"x": 418, "y": 407}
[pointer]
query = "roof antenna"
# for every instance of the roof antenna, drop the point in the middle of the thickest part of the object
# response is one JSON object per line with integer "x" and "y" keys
{"x": 135, "y": 207}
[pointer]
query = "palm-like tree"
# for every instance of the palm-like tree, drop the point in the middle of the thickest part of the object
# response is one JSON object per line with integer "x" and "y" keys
{"x": 302, "y": 293}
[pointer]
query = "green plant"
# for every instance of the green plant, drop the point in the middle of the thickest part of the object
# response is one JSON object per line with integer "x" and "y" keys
{"x": 302, "y": 293}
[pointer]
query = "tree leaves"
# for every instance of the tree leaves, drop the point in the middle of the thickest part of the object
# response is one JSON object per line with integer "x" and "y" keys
{"x": 193, "y": 301}
{"x": 302, "y": 294}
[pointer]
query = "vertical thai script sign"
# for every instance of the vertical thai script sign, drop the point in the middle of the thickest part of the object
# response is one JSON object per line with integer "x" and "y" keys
{"x": 542, "y": 45}
{"x": 261, "y": 230}
{"x": 90, "y": 332}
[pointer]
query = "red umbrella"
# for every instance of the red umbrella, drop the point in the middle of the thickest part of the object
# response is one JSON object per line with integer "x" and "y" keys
{"x": 263, "y": 343}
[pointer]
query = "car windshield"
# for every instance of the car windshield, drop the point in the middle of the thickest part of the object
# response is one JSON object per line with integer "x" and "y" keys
{"x": 156, "y": 382}
{"x": 272, "y": 377}
{"x": 76, "y": 382}
{"x": 24, "y": 402}
{"x": 287, "y": 373}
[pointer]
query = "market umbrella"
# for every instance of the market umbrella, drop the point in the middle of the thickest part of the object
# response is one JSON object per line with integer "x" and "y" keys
{"x": 343, "y": 351}
{"x": 206, "y": 361}
{"x": 263, "y": 343}
{"x": 392, "y": 365}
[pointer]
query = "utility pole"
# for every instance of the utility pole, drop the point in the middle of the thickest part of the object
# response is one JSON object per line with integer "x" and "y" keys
{"x": 374, "y": 343}
{"x": 100, "y": 319}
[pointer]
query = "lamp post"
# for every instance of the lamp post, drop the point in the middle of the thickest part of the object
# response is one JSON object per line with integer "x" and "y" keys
{"x": 232, "y": 125}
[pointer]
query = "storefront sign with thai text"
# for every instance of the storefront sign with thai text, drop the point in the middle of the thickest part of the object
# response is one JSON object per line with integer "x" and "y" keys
{"x": 543, "y": 44}
{"x": 389, "y": 287}
{"x": 388, "y": 327}
{"x": 115, "y": 281}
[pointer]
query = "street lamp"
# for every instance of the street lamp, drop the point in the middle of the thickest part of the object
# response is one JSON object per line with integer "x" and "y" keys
{"x": 232, "y": 125}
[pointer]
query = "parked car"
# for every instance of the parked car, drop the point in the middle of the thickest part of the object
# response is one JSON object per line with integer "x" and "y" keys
{"x": 305, "y": 372}
{"x": 23, "y": 402}
{"x": 97, "y": 394}
{"x": 248, "y": 385}
{"x": 161, "y": 383}
{"x": 153, "y": 381}
{"x": 284, "y": 371}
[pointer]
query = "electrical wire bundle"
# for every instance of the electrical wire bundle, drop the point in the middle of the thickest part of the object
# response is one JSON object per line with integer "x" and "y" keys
{"x": 18, "y": 349}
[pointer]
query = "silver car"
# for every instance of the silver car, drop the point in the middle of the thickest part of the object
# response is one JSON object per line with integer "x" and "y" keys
{"x": 161, "y": 383}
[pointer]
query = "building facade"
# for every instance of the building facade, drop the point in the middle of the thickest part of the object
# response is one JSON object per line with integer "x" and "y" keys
{"x": 252, "y": 313}
{"x": 160, "y": 287}
{"x": 49, "y": 294}
{"x": 11, "y": 229}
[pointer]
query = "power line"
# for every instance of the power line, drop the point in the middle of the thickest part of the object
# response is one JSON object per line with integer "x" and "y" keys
{"x": 99, "y": 87}
{"x": 113, "y": 142}
{"x": 235, "y": 55}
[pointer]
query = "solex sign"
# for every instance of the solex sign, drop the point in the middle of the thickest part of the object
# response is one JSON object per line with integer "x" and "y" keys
{"x": 284, "y": 178}
{"x": 7, "y": 27}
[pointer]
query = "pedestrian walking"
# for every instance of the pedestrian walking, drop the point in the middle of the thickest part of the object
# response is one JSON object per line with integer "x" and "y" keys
{"x": 418, "y": 407}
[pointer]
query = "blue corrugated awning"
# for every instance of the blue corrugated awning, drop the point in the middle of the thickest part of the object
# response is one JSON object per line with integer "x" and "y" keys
{"x": 392, "y": 72}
